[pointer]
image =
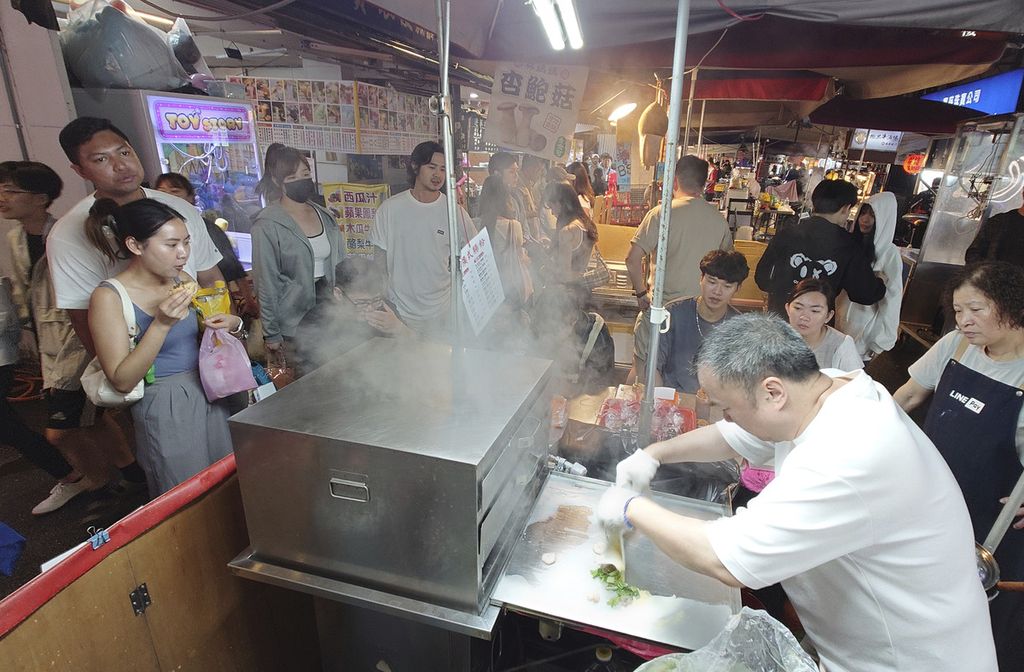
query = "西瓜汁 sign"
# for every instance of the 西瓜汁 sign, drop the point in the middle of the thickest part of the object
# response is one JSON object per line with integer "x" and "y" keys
{"x": 354, "y": 207}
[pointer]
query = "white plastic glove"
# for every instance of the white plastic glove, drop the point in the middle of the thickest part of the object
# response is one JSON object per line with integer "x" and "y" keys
{"x": 611, "y": 509}
{"x": 636, "y": 471}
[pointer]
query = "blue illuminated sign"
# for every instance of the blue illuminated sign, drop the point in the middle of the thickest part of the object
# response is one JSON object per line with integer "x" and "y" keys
{"x": 992, "y": 95}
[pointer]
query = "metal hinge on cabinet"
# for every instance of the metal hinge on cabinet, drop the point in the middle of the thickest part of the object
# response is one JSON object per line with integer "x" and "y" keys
{"x": 140, "y": 599}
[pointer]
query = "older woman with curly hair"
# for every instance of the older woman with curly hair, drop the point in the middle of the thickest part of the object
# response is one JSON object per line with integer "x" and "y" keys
{"x": 974, "y": 376}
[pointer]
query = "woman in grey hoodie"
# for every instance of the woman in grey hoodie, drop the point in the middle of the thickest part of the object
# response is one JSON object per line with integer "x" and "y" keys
{"x": 296, "y": 245}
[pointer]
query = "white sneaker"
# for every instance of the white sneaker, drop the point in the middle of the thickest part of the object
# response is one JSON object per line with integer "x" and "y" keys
{"x": 61, "y": 494}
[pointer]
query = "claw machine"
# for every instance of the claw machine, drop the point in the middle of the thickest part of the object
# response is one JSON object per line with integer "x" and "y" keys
{"x": 211, "y": 141}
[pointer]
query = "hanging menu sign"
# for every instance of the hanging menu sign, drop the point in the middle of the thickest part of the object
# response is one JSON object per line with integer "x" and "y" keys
{"x": 329, "y": 115}
{"x": 534, "y": 108}
{"x": 476, "y": 127}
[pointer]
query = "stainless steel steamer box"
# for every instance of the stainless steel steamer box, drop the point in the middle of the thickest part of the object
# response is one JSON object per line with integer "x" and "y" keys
{"x": 399, "y": 466}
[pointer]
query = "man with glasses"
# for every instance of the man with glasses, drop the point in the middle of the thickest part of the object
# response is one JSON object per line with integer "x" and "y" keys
{"x": 356, "y": 311}
{"x": 27, "y": 189}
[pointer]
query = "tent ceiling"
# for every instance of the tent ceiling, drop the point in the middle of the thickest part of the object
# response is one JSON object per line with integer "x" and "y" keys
{"x": 871, "y": 62}
{"x": 875, "y": 48}
{"x": 481, "y": 25}
{"x": 870, "y": 49}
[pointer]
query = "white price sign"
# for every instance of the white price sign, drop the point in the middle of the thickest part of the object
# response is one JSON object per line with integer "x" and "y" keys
{"x": 482, "y": 293}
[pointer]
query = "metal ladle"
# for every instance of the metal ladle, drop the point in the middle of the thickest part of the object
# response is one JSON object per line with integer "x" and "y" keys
{"x": 988, "y": 568}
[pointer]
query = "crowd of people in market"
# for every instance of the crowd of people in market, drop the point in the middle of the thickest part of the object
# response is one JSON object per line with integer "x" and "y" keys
{"x": 114, "y": 279}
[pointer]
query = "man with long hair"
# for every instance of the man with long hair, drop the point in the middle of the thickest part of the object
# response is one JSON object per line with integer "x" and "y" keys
{"x": 410, "y": 240}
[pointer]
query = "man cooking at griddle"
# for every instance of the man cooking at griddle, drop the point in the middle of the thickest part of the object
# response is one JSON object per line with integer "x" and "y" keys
{"x": 864, "y": 524}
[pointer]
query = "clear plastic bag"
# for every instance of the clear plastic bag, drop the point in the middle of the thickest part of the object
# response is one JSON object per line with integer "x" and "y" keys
{"x": 105, "y": 47}
{"x": 185, "y": 48}
{"x": 752, "y": 641}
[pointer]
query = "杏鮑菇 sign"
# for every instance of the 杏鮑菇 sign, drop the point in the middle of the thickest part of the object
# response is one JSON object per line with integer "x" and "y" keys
{"x": 534, "y": 108}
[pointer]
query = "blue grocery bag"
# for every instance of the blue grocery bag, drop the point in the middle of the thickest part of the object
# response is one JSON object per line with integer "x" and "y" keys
{"x": 11, "y": 546}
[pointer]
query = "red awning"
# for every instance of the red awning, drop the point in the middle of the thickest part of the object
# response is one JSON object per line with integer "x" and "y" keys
{"x": 759, "y": 85}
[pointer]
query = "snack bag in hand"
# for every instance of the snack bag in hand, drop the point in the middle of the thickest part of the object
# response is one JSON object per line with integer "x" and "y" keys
{"x": 212, "y": 301}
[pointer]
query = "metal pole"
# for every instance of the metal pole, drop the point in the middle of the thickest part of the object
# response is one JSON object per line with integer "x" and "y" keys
{"x": 1005, "y": 516}
{"x": 19, "y": 128}
{"x": 658, "y": 313}
{"x": 689, "y": 104}
{"x": 444, "y": 109}
{"x": 700, "y": 130}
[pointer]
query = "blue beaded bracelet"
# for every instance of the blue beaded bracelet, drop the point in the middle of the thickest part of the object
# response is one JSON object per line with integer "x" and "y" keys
{"x": 625, "y": 518}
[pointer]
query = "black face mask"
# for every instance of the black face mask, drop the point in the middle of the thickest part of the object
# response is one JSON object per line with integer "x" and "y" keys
{"x": 300, "y": 191}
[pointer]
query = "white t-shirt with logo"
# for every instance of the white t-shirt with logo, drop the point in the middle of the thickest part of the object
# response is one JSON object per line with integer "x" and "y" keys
{"x": 77, "y": 267}
{"x": 415, "y": 237}
{"x": 867, "y": 531}
{"x": 927, "y": 371}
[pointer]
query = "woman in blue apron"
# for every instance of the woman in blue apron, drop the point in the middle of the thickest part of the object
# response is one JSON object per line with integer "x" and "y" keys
{"x": 975, "y": 375}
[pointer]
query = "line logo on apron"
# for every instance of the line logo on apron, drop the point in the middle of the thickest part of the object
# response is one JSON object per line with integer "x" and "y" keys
{"x": 970, "y": 403}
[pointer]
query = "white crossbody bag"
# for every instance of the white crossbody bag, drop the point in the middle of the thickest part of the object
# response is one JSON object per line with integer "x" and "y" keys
{"x": 94, "y": 381}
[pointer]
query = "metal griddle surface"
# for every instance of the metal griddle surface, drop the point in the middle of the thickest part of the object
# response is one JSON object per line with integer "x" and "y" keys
{"x": 563, "y": 522}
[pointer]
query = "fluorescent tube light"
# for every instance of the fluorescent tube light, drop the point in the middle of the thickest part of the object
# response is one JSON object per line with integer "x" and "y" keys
{"x": 571, "y": 23}
{"x": 549, "y": 20}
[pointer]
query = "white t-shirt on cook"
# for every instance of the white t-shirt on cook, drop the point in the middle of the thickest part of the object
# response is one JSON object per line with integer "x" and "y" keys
{"x": 415, "y": 237}
{"x": 867, "y": 531}
{"x": 77, "y": 267}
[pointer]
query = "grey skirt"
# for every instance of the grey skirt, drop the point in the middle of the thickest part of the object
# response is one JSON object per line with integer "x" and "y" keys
{"x": 178, "y": 433}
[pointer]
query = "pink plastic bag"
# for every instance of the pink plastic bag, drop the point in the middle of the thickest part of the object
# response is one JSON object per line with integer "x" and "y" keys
{"x": 224, "y": 365}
